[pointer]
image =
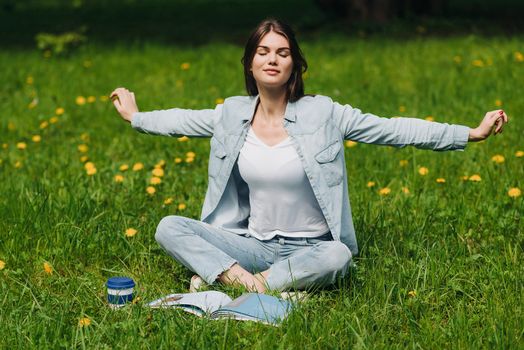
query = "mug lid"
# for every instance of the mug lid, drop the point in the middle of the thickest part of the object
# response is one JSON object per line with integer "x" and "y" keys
{"x": 120, "y": 282}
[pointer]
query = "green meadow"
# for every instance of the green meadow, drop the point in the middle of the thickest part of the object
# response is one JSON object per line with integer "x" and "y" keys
{"x": 440, "y": 233}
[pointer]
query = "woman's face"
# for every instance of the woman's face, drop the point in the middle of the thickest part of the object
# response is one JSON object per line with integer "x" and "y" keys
{"x": 272, "y": 64}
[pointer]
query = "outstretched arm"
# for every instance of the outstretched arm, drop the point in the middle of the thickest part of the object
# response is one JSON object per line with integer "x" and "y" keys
{"x": 169, "y": 122}
{"x": 400, "y": 132}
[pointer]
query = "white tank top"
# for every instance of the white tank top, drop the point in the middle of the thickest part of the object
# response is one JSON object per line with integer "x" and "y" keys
{"x": 280, "y": 196}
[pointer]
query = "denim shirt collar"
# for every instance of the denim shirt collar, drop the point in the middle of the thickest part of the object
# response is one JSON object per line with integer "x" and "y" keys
{"x": 289, "y": 115}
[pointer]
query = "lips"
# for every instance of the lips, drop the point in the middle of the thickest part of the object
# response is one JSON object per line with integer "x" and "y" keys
{"x": 271, "y": 71}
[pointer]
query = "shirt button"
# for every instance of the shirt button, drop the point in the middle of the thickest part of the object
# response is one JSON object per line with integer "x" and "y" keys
{"x": 281, "y": 241}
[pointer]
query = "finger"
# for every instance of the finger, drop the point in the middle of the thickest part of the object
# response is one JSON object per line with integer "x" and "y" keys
{"x": 117, "y": 105}
{"x": 505, "y": 116}
{"x": 499, "y": 123}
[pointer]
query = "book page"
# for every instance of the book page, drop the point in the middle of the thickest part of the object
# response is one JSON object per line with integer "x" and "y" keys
{"x": 255, "y": 307}
{"x": 206, "y": 302}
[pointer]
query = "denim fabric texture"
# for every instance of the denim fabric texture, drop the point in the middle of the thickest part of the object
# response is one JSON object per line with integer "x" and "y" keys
{"x": 293, "y": 263}
{"x": 318, "y": 127}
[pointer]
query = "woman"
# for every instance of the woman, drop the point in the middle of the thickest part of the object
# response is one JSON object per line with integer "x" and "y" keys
{"x": 276, "y": 213}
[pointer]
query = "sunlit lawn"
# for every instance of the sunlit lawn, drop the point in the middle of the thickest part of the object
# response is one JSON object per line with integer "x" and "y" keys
{"x": 440, "y": 233}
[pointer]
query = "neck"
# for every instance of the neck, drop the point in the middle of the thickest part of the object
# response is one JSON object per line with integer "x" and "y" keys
{"x": 272, "y": 104}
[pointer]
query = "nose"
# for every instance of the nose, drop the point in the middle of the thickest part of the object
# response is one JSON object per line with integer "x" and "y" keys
{"x": 272, "y": 58}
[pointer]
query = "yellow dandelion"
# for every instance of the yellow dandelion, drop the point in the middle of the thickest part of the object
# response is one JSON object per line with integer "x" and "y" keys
{"x": 80, "y": 100}
{"x": 185, "y": 66}
{"x": 412, "y": 293}
{"x": 21, "y": 145}
{"x": 5, "y": 146}
{"x": 179, "y": 83}
{"x": 405, "y": 190}
{"x": 178, "y": 160}
{"x": 158, "y": 172}
{"x": 190, "y": 154}
{"x": 384, "y": 191}
{"x": 123, "y": 167}
{"x": 464, "y": 178}
{"x": 91, "y": 99}
{"x": 150, "y": 190}
{"x": 44, "y": 124}
{"x": 84, "y": 159}
{"x": 183, "y": 138}
{"x": 519, "y": 57}
{"x": 119, "y": 178}
{"x": 457, "y": 59}
{"x": 29, "y": 80}
{"x": 190, "y": 159}
{"x": 498, "y": 158}
{"x": 18, "y": 164}
{"x": 160, "y": 163}
{"x": 219, "y": 101}
{"x": 519, "y": 154}
{"x": 36, "y": 138}
{"x": 370, "y": 184}
{"x": 350, "y": 143}
{"x": 87, "y": 63}
{"x": 104, "y": 98}
{"x": 2, "y": 264}
{"x": 53, "y": 120}
{"x": 440, "y": 180}
{"x": 478, "y": 63}
{"x": 430, "y": 118}
{"x": 402, "y": 109}
{"x": 11, "y": 126}
{"x": 475, "y": 178}
{"x": 91, "y": 171}
{"x": 423, "y": 171}
{"x": 89, "y": 165}
{"x": 155, "y": 180}
{"x": 181, "y": 206}
{"x": 138, "y": 166}
{"x": 48, "y": 268}
{"x": 130, "y": 232}
{"x": 59, "y": 111}
{"x": 514, "y": 192}
{"x": 168, "y": 201}
{"x": 83, "y": 148}
{"x": 498, "y": 103}
{"x": 84, "y": 137}
{"x": 403, "y": 162}
{"x": 84, "y": 322}
{"x": 33, "y": 103}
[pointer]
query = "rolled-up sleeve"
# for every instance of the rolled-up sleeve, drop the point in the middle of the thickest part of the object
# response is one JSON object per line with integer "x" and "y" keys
{"x": 399, "y": 132}
{"x": 178, "y": 122}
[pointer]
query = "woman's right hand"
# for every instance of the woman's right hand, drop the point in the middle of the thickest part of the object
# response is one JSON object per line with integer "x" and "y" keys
{"x": 124, "y": 102}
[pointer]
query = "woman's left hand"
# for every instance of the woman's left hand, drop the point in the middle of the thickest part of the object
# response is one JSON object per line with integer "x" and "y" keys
{"x": 494, "y": 119}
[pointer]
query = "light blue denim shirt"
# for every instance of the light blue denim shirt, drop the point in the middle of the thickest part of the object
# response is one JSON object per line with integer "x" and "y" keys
{"x": 317, "y": 126}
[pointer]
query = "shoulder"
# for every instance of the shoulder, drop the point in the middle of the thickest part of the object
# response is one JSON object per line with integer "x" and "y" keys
{"x": 236, "y": 101}
{"x": 318, "y": 106}
{"x": 316, "y": 100}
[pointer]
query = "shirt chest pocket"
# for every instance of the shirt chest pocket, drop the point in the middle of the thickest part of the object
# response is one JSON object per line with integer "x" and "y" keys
{"x": 217, "y": 157}
{"x": 330, "y": 162}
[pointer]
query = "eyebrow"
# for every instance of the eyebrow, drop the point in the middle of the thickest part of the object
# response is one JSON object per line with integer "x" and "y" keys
{"x": 267, "y": 48}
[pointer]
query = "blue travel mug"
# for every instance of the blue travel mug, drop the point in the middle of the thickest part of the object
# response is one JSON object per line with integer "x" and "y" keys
{"x": 119, "y": 291}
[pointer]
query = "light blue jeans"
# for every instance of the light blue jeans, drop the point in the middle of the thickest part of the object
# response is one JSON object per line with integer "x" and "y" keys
{"x": 293, "y": 263}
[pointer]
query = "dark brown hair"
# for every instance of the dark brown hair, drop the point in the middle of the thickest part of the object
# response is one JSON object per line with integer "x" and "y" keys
{"x": 295, "y": 84}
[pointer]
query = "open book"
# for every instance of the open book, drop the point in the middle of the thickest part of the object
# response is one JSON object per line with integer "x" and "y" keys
{"x": 247, "y": 307}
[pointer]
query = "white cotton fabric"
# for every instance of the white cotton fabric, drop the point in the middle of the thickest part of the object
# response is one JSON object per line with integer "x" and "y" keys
{"x": 280, "y": 196}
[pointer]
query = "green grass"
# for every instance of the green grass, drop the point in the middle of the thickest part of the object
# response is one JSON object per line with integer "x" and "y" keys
{"x": 458, "y": 245}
